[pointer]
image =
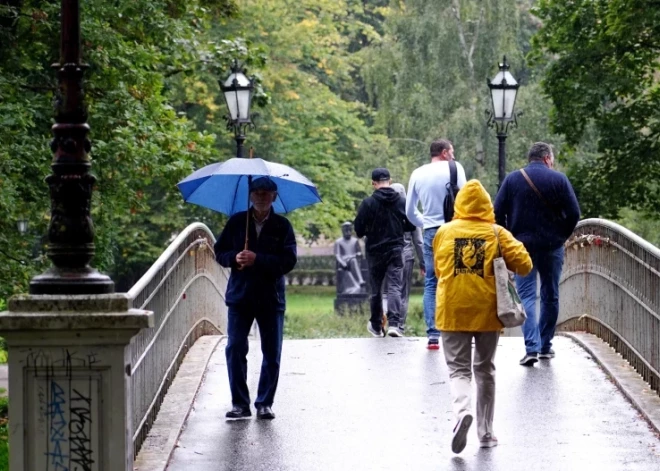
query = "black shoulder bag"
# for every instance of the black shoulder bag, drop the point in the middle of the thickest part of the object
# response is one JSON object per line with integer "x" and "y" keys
{"x": 452, "y": 191}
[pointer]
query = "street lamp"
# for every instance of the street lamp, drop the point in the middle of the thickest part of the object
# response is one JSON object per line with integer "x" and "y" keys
{"x": 70, "y": 231}
{"x": 22, "y": 226}
{"x": 503, "y": 91}
{"x": 238, "y": 90}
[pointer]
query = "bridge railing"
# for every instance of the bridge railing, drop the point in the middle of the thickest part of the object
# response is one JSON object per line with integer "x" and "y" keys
{"x": 610, "y": 287}
{"x": 185, "y": 289}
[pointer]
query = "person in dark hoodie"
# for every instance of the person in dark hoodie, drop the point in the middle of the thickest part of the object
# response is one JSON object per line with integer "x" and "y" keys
{"x": 382, "y": 219}
{"x": 256, "y": 291}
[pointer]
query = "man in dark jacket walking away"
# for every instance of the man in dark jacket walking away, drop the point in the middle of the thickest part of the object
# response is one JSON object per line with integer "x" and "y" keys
{"x": 382, "y": 219}
{"x": 538, "y": 205}
{"x": 256, "y": 291}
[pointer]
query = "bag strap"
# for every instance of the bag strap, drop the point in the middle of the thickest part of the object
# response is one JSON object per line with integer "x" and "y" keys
{"x": 536, "y": 190}
{"x": 497, "y": 236}
{"x": 453, "y": 174}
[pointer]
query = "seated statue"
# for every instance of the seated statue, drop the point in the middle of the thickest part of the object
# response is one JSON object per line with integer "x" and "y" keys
{"x": 348, "y": 254}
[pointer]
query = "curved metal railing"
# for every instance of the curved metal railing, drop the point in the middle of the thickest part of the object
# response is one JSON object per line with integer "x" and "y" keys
{"x": 610, "y": 287}
{"x": 185, "y": 289}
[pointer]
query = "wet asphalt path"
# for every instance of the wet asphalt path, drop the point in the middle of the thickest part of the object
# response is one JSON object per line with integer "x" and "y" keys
{"x": 384, "y": 404}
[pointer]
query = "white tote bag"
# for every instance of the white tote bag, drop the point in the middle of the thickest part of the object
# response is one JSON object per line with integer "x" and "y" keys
{"x": 509, "y": 306}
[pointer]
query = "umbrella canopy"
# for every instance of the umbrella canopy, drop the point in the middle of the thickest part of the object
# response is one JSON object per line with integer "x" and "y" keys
{"x": 223, "y": 186}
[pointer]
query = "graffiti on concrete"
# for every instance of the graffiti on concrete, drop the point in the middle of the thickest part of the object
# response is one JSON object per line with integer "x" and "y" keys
{"x": 65, "y": 386}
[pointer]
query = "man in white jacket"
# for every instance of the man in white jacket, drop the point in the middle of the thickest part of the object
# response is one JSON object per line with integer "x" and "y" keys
{"x": 428, "y": 186}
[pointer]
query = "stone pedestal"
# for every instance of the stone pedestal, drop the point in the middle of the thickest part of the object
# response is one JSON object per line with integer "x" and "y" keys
{"x": 69, "y": 388}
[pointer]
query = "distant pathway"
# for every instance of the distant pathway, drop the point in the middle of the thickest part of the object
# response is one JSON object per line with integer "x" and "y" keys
{"x": 383, "y": 404}
{"x": 4, "y": 379}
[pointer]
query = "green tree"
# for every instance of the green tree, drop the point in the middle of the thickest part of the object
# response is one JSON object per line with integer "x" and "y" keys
{"x": 427, "y": 79}
{"x": 310, "y": 118}
{"x": 601, "y": 60}
{"x": 141, "y": 146}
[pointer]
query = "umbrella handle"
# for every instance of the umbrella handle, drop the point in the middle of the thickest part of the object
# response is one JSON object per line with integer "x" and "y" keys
{"x": 247, "y": 217}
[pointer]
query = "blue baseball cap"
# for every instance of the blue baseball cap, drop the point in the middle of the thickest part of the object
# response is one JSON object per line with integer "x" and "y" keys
{"x": 263, "y": 183}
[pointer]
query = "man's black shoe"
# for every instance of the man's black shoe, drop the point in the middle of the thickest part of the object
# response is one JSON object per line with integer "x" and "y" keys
{"x": 529, "y": 359}
{"x": 265, "y": 412}
{"x": 547, "y": 355}
{"x": 238, "y": 413}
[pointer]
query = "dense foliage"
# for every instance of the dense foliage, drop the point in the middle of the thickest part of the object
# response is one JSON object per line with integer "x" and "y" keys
{"x": 312, "y": 120}
{"x": 427, "y": 79}
{"x": 602, "y": 77}
{"x": 343, "y": 86}
{"x": 156, "y": 114}
{"x": 141, "y": 146}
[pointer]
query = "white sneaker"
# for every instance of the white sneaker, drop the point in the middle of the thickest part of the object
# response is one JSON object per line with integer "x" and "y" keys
{"x": 394, "y": 332}
{"x": 459, "y": 439}
{"x": 374, "y": 332}
{"x": 488, "y": 441}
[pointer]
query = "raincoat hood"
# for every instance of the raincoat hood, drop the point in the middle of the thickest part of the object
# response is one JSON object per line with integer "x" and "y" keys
{"x": 473, "y": 202}
{"x": 386, "y": 195}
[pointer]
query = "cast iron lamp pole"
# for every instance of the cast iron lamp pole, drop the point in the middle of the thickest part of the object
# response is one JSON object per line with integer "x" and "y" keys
{"x": 238, "y": 90}
{"x": 70, "y": 232}
{"x": 503, "y": 91}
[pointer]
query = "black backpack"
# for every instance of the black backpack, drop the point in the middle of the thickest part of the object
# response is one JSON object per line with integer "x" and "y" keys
{"x": 452, "y": 191}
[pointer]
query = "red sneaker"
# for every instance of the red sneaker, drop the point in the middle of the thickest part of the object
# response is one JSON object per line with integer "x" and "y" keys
{"x": 434, "y": 344}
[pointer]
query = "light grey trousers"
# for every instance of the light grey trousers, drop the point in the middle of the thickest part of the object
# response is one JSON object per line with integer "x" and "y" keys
{"x": 457, "y": 347}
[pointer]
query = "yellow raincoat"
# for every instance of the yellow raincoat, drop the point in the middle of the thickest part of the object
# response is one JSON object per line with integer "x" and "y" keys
{"x": 463, "y": 253}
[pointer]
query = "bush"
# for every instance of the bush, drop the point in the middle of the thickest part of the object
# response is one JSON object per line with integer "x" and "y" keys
{"x": 4, "y": 434}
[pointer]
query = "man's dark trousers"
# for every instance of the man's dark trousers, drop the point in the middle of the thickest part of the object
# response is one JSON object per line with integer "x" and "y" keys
{"x": 381, "y": 266}
{"x": 271, "y": 331}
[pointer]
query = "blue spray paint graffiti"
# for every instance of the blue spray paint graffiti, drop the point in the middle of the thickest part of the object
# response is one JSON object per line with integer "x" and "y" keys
{"x": 65, "y": 407}
{"x": 58, "y": 428}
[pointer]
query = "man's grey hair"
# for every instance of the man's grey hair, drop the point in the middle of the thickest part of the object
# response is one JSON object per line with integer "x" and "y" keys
{"x": 399, "y": 188}
{"x": 538, "y": 151}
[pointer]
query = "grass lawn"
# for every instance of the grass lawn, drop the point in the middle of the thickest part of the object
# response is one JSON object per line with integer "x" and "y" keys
{"x": 311, "y": 314}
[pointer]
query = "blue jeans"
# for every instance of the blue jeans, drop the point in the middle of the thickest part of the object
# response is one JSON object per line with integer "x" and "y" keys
{"x": 271, "y": 331}
{"x": 538, "y": 332}
{"x": 430, "y": 284}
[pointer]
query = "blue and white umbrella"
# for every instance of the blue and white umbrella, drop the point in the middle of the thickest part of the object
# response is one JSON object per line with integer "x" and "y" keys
{"x": 224, "y": 186}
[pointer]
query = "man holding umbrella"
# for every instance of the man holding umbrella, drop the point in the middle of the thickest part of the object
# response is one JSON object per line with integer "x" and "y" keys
{"x": 260, "y": 248}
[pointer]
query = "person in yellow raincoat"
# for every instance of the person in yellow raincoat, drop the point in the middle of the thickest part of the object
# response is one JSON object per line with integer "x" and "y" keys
{"x": 466, "y": 306}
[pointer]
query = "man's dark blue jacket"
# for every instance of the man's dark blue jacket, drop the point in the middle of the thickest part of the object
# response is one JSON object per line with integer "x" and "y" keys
{"x": 521, "y": 211}
{"x": 260, "y": 286}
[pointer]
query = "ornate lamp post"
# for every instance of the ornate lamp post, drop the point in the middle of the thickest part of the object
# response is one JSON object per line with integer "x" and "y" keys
{"x": 70, "y": 232}
{"x": 503, "y": 91}
{"x": 238, "y": 90}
